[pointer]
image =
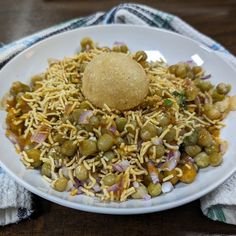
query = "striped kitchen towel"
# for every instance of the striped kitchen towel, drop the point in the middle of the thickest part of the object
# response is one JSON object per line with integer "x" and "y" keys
{"x": 16, "y": 202}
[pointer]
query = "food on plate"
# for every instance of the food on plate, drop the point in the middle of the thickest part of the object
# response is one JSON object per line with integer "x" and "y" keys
{"x": 109, "y": 123}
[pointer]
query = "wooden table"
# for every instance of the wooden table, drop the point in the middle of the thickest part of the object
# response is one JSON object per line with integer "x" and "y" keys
{"x": 20, "y": 18}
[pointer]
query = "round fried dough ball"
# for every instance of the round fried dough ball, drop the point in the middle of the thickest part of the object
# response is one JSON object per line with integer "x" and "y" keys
{"x": 116, "y": 80}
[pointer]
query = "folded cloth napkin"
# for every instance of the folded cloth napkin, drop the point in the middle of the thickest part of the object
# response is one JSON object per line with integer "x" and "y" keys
{"x": 16, "y": 202}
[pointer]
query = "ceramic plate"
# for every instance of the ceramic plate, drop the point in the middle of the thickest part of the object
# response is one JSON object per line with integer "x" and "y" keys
{"x": 169, "y": 46}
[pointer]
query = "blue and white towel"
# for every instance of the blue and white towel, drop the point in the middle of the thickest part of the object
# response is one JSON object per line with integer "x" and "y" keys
{"x": 16, "y": 202}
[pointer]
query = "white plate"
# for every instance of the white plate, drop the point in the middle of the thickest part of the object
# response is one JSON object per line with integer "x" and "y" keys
{"x": 173, "y": 48}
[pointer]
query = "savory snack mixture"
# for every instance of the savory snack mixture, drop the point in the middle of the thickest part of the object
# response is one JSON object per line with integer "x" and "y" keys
{"x": 108, "y": 123}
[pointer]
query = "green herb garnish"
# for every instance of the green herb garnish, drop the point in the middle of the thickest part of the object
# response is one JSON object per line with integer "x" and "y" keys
{"x": 181, "y": 99}
{"x": 168, "y": 102}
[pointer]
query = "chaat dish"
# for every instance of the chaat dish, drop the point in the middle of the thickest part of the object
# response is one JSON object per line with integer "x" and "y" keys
{"x": 110, "y": 124}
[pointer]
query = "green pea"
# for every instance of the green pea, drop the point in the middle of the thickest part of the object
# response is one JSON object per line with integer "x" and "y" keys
{"x": 61, "y": 184}
{"x": 120, "y": 123}
{"x": 181, "y": 71}
{"x": 88, "y": 147}
{"x": 164, "y": 120}
{"x": 203, "y": 85}
{"x": 192, "y": 150}
{"x": 197, "y": 69}
{"x": 172, "y": 69}
{"x": 86, "y": 43}
{"x": 216, "y": 159}
{"x": 140, "y": 56}
{"x": 204, "y": 138}
{"x": 148, "y": 131}
{"x": 159, "y": 149}
{"x": 116, "y": 48}
{"x": 140, "y": 192}
{"x": 154, "y": 189}
{"x": 76, "y": 114}
{"x": 58, "y": 138}
{"x": 18, "y": 87}
{"x": 170, "y": 136}
{"x": 133, "y": 128}
{"x": 202, "y": 160}
{"x": 110, "y": 179}
{"x": 94, "y": 121}
{"x": 109, "y": 155}
{"x": 55, "y": 153}
{"x": 211, "y": 112}
{"x": 192, "y": 139}
{"x": 217, "y": 96}
{"x": 211, "y": 149}
{"x": 34, "y": 154}
{"x": 68, "y": 148}
{"x": 120, "y": 48}
{"x": 191, "y": 93}
{"x": 223, "y": 88}
{"x": 119, "y": 141}
{"x": 81, "y": 173}
{"x": 105, "y": 142}
{"x": 190, "y": 75}
{"x": 46, "y": 169}
{"x": 124, "y": 48}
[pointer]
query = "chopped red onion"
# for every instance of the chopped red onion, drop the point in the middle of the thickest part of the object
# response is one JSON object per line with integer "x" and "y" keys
{"x": 77, "y": 183}
{"x": 96, "y": 188}
{"x": 112, "y": 129}
{"x": 152, "y": 170}
{"x": 39, "y": 137}
{"x": 114, "y": 188}
{"x": 122, "y": 166}
{"x": 79, "y": 190}
{"x": 160, "y": 164}
{"x": 223, "y": 147}
{"x": 206, "y": 77}
{"x": 167, "y": 187}
{"x": 171, "y": 164}
{"x": 190, "y": 159}
{"x": 177, "y": 155}
{"x": 84, "y": 117}
{"x": 191, "y": 63}
{"x": 135, "y": 184}
{"x": 170, "y": 155}
{"x": 154, "y": 177}
{"x": 41, "y": 134}
{"x": 172, "y": 160}
{"x": 117, "y": 43}
{"x": 146, "y": 197}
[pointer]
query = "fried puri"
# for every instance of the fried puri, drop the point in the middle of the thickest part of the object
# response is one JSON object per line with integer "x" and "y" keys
{"x": 114, "y": 79}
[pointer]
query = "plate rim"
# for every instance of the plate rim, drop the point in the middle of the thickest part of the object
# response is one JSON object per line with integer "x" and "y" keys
{"x": 112, "y": 210}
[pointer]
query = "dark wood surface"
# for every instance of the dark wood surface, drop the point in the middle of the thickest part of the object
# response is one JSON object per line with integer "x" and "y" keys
{"x": 18, "y": 18}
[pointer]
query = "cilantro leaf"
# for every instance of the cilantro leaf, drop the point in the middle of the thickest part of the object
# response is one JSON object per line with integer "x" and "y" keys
{"x": 168, "y": 102}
